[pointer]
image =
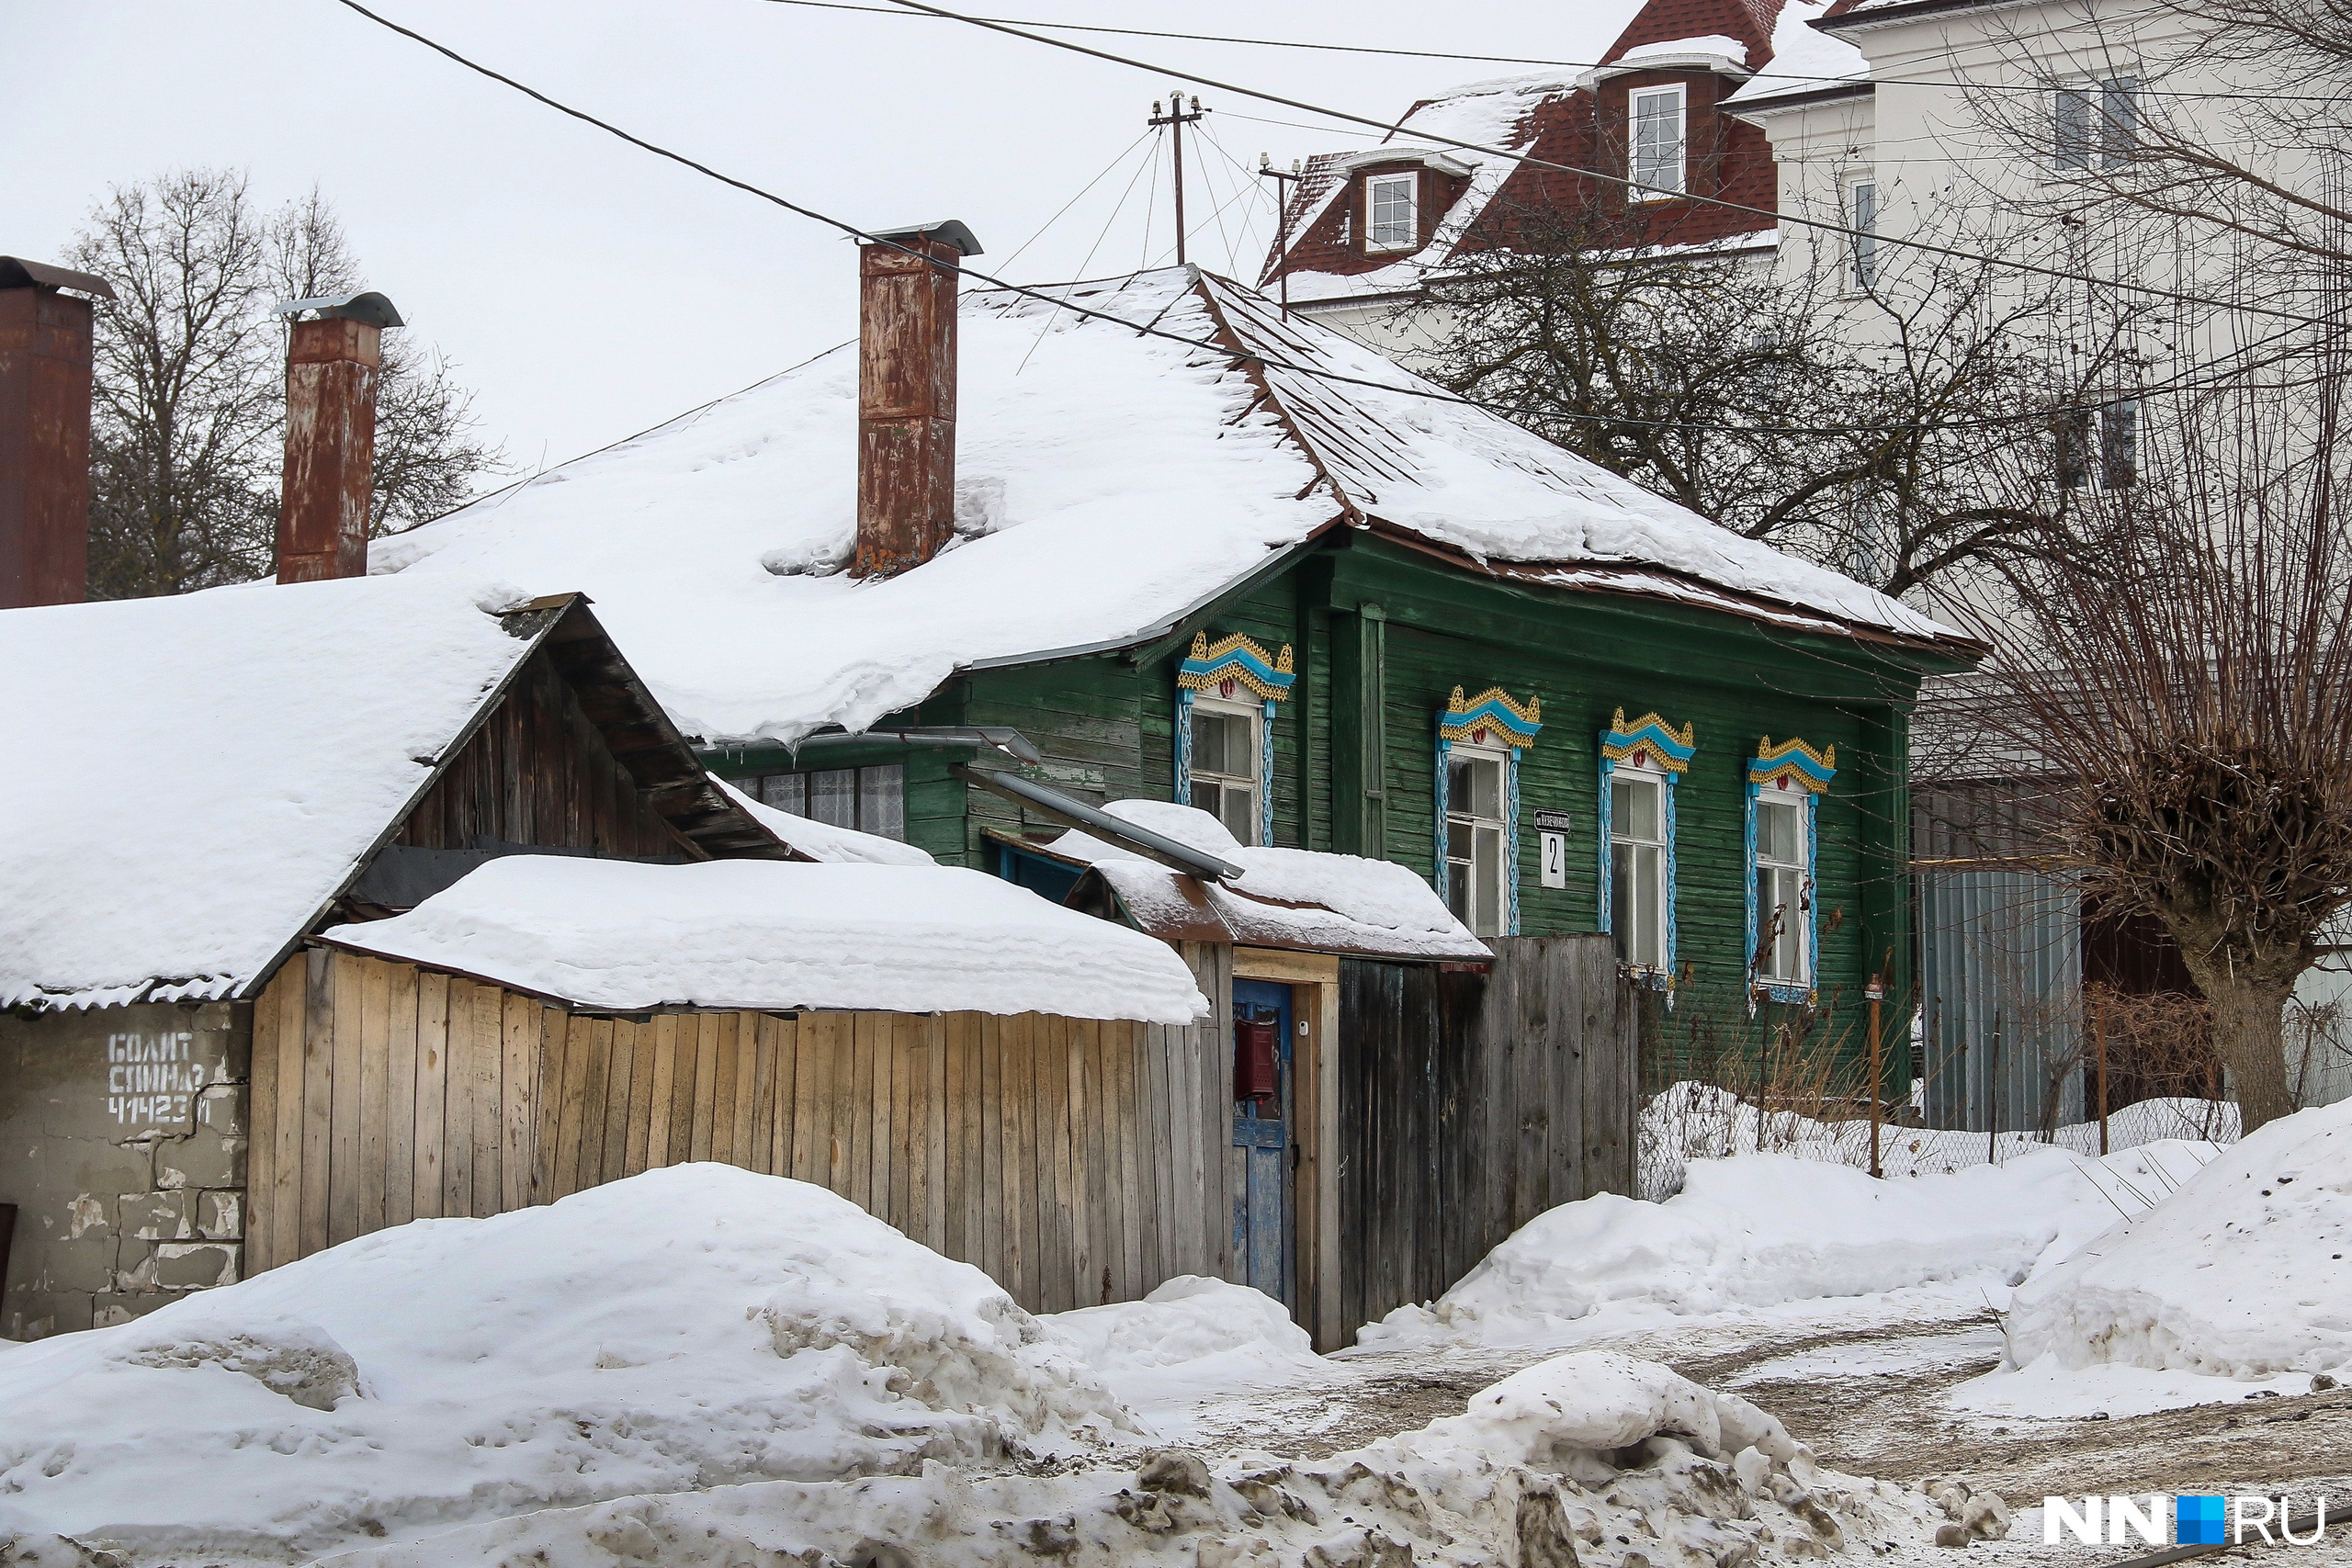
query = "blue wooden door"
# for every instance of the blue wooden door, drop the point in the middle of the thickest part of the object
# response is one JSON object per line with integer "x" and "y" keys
{"x": 1261, "y": 1119}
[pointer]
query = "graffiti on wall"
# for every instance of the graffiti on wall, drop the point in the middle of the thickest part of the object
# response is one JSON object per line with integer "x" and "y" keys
{"x": 152, "y": 1076}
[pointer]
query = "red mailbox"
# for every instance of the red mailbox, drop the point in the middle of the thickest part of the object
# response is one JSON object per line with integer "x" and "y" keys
{"x": 1254, "y": 1074}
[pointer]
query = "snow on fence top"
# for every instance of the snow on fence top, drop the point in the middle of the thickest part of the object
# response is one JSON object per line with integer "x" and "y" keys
{"x": 1303, "y": 899}
{"x": 1110, "y": 484}
{"x": 779, "y": 935}
{"x": 194, "y": 777}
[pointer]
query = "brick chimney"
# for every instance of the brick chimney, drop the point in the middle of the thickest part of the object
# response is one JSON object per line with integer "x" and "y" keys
{"x": 44, "y": 433}
{"x": 331, "y": 363}
{"x": 906, "y": 395}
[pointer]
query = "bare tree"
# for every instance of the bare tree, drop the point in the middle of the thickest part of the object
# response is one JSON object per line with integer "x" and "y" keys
{"x": 189, "y": 402}
{"x": 1855, "y": 413}
{"x": 2186, "y": 682}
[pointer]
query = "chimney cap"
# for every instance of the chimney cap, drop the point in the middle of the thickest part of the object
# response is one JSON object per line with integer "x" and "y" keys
{"x": 17, "y": 272}
{"x": 950, "y": 231}
{"x": 367, "y": 306}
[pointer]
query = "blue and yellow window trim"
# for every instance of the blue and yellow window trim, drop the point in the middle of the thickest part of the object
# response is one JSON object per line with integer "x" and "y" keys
{"x": 1229, "y": 666}
{"x": 1790, "y": 766}
{"x": 1649, "y": 743}
{"x": 1493, "y": 718}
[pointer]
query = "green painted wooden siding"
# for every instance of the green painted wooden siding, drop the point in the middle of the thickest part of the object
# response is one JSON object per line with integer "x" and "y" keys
{"x": 1105, "y": 725}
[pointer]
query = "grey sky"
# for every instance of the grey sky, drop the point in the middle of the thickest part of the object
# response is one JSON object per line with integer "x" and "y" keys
{"x": 588, "y": 289}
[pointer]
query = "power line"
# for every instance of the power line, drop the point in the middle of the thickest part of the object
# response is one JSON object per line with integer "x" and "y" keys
{"x": 1525, "y": 59}
{"x": 1062, "y": 301}
{"x": 1927, "y": 247}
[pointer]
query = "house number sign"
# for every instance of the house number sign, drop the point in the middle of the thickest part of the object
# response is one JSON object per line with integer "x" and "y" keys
{"x": 1551, "y": 839}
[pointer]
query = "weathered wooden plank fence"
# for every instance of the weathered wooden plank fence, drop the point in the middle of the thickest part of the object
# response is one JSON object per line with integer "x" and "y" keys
{"x": 1065, "y": 1156}
{"x": 1470, "y": 1103}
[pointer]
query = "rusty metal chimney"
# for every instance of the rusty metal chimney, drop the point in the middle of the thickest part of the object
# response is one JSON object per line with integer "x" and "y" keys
{"x": 331, "y": 363}
{"x": 45, "y": 347}
{"x": 906, "y": 395}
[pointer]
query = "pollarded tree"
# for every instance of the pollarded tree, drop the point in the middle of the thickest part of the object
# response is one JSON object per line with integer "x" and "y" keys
{"x": 2187, "y": 685}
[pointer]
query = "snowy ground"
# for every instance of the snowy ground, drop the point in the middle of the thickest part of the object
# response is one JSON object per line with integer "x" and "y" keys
{"x": 1786, "y": 1361}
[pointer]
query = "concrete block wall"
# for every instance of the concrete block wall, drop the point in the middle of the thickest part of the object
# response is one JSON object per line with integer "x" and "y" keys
{"x": 122, "y": 1144}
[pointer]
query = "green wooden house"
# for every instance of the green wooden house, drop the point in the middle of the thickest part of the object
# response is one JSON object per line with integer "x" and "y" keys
{"x": 1199, "y": 552}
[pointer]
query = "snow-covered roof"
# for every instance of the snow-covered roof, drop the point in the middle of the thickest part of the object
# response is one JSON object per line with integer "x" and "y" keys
{"x": 194, "y": 778}
{"x": 1288, "y": 898}
{"x": 781, "y": 935}
{"x": 1110, "y": 485}
{"x": 1805, "y": 60}
{"x": 822, "y": 841}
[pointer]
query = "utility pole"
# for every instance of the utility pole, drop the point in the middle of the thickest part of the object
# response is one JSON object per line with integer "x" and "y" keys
{"x": 1176, "y": 119}
{"x": 1282, "y": 182}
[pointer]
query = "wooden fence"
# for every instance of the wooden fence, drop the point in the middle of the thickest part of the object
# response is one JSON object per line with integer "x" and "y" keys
{"x": 1076, "y": 1161}
{"x": 1470, "y": 1103}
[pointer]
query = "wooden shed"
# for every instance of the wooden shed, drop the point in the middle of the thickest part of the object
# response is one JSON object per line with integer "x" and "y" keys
{"x": 439, "y": 1064}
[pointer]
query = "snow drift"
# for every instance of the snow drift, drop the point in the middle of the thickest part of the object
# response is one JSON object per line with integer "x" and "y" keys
{"x": 689, "y": 1327}
{"x": 1760, "y": 1229}
{"x": 2246, "y": 1272}
{"x": 1191, "y": 1333}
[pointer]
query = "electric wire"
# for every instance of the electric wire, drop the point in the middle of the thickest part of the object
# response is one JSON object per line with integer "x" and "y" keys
{"x": 1231, "y": 353}
{"x": 1927, "y": 247}
{"x": 1526, "y": 60}
{"x": 1074, "y": 201}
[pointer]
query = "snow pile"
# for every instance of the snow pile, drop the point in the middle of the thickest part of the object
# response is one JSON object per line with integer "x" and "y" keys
{"x": 1760, "y": 1229}
{"x": 823, "y": 841}
{"x": 298, "y": 721}
{"x": 1299, "y": 898}
{"x": 689, "y": 1327}
{"x": 779, "y": 935}
{"x": 1691, "y": 1121}
{"x": 2246, "y": 1272}
{"x": 1592, "y": 1458}
{"x": 1191, "y": 1334}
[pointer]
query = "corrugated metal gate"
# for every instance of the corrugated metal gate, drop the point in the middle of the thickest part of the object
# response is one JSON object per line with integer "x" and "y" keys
{"x": 2001, "y": 975}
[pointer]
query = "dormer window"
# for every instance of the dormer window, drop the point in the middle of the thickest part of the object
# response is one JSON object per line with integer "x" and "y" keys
{"x": 1654, "y": 146}
{"x": 1392, "y": 212}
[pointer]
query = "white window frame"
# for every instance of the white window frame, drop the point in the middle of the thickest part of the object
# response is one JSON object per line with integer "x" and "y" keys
{"x": 1373, "y": 186}
{"x": 1645, "y": 189}
{"x": 2108, "y": 442}
{"x": 1621, "y": 920}
{"x": 1255, "y": 782}
{"x": 1498, "y": 876}
{"x": 1798, "y": 921}
{"x": 1863, "y": 256}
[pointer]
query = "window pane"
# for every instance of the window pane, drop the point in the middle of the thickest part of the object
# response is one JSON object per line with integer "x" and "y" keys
{"x": 1457, "y": 889}
{"x": 785, "y": 792}
{"x": 1205, "y": 796}
{"x": 1458, "y": 788}
{"x": 1649, "y": 862}
{"x": 1486, "y": 788}
{"x": 2119, "y": 443}
{"x": 832, "y": 796}
{"x": 1779, "y": 833}
{"x": 2118, "y": 113}
{"x": 2071, "y": 128}
{"x": 1393, "y": 226}
{"x": 1791, "y": 953}
{"x": 1863, "y": 218}
{"x": 1457, "y": 837}
{"x": 1633, "y": 808}
{"x": 1623, "y": 910}
{"x": 1487, "y": 868}
{"x": 1221, "y": 744}
{"x": 1237, "y": 809}
{"x": 881, "y": 800}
